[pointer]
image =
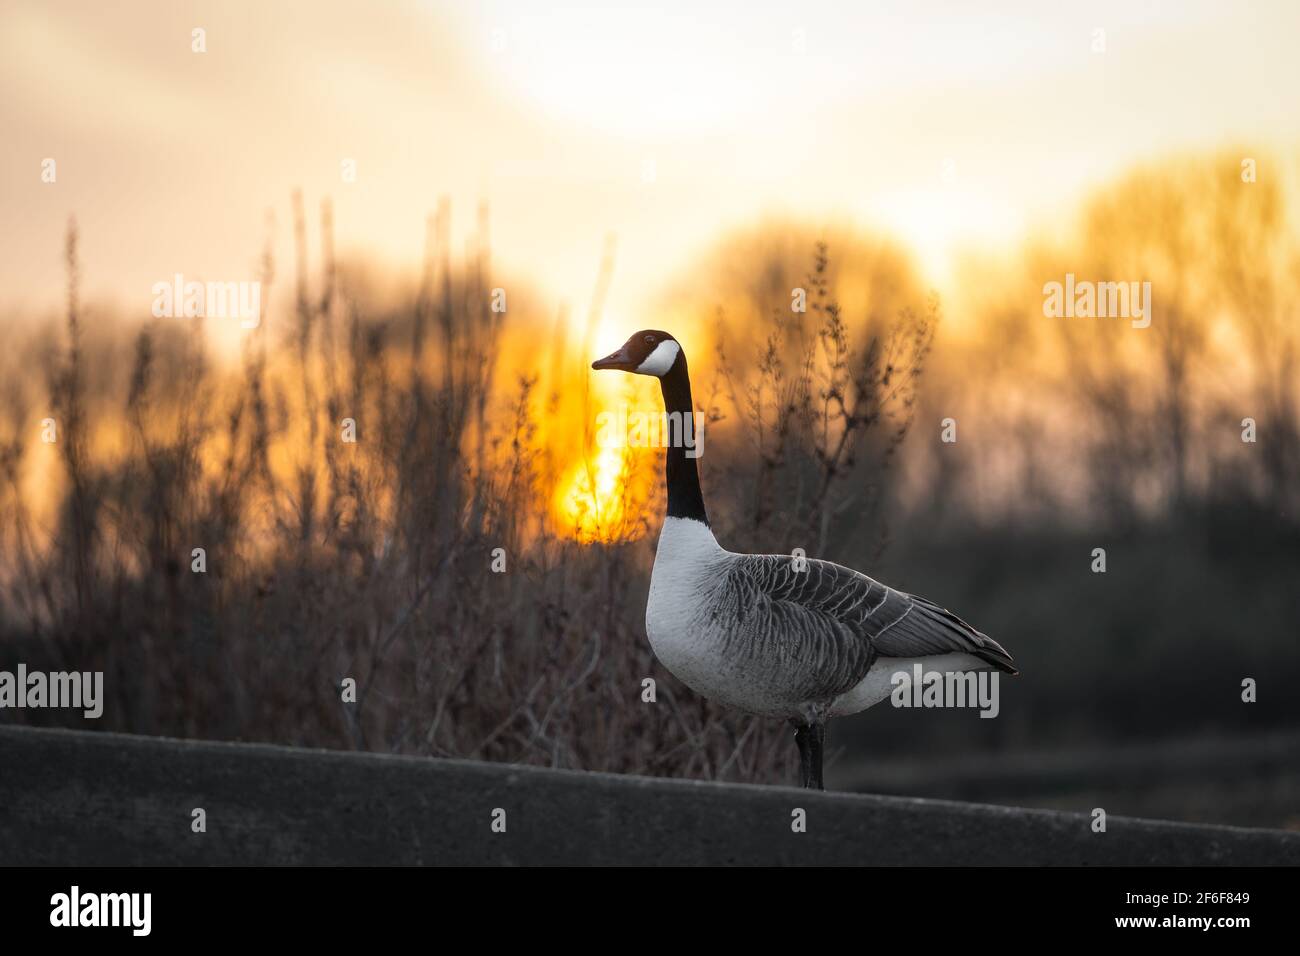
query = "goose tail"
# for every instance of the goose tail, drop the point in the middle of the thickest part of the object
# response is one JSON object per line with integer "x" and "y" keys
{"x": 976, "y": 642}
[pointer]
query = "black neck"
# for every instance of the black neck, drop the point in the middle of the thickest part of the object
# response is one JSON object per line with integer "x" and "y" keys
{"x": 684, "y": 497}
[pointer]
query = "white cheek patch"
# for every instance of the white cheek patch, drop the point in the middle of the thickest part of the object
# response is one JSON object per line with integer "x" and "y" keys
{"x": 660, "y": 360}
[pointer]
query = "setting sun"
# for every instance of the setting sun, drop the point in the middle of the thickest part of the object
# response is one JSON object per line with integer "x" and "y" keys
{"x": 590, "y": 499}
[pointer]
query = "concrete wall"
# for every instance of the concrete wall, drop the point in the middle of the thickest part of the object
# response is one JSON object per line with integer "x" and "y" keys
{"x": 75, "y": 798}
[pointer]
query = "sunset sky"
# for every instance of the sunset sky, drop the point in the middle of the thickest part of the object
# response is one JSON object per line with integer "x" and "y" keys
{"x": 664, "y": 125}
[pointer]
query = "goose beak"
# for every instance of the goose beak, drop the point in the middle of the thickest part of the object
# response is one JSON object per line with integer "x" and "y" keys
{"x": 620, "y": 360}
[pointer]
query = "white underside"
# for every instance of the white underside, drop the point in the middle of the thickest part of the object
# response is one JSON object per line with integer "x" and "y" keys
{"x": 878, "y": 684}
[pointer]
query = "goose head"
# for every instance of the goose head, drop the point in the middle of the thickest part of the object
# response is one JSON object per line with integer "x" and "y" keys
{"x": 648, "y": 352}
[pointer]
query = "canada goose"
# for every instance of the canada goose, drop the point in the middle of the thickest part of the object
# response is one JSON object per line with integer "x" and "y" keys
{"x": 801, "y": 640}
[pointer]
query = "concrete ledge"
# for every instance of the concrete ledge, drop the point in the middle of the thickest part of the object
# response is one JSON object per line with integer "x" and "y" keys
{"x": 74, "y": 798}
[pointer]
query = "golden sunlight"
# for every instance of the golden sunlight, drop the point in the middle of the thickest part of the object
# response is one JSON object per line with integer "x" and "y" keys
{"x": 592, "y": 500}
{"x": 602, "y": 497}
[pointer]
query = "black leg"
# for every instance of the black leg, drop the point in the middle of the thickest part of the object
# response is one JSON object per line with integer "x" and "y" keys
{"x": 817, "y": 733}
{"x": 803, "y": 737}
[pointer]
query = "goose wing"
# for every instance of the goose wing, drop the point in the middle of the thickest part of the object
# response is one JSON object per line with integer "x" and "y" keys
{"x": 847, "y": 616}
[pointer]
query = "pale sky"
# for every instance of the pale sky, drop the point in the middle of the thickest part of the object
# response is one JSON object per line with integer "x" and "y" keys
{"x": 948, "y": 124}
